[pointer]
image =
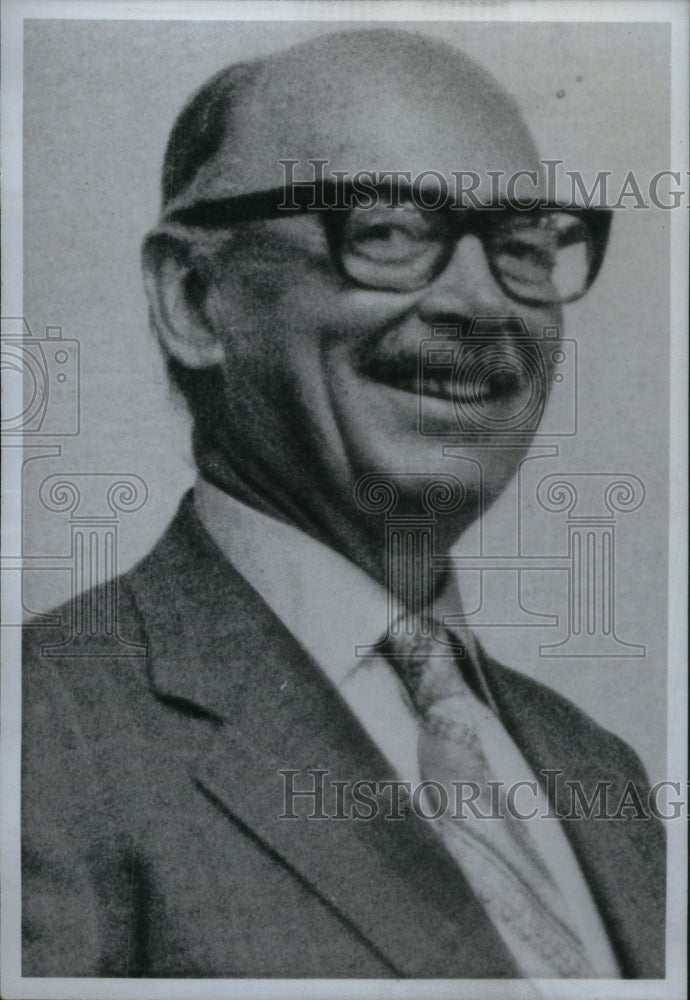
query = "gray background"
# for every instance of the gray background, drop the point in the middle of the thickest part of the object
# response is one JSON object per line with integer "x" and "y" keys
{"x": 100, "y": 98}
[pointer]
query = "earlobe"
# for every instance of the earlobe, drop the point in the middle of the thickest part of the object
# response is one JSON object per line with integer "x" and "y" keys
{"x": 175, "y": 294}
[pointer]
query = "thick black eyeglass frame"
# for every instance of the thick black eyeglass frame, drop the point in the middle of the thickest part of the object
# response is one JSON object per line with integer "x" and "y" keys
{"x": 332, "y": 203}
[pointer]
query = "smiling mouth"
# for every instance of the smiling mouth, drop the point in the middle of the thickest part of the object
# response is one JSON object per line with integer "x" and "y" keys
{"x": 502, "y": 383}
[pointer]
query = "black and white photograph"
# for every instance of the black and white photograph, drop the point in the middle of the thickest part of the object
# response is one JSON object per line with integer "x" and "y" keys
{"x": 344, "y": 359}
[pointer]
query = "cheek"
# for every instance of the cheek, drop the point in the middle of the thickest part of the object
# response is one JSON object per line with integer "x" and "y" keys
{"x": 284, "y": 309}
{"x": 545, "y": 327}
{"x": 267, "y": 308}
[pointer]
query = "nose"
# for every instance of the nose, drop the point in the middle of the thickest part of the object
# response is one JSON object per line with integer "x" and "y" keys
{"x": 466, "y": 288}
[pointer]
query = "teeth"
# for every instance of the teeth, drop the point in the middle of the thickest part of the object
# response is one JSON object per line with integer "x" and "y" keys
{"x": 437, "y": 387}
{"x": 442, "y": 388}
{"x": 467, "y": 394}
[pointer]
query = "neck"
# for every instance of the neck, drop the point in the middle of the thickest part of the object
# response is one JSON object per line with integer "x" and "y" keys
{"x": 410, "y": 582}
{"x": 361, "y": 537}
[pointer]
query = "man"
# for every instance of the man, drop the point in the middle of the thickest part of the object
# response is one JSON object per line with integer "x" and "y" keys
{"x": 200, "y": 811}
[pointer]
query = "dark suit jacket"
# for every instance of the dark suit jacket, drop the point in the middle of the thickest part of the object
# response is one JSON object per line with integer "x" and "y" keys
{"x": 151, "y": 797}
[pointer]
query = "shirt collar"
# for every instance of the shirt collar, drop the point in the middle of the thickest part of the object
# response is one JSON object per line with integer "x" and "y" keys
{"x": 329, "y": 604}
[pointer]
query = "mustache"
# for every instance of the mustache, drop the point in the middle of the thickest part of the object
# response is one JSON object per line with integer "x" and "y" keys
{"x": 497, "y": 354}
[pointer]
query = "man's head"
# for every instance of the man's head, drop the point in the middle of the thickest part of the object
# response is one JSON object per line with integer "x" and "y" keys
{"x": 295, "y": 334}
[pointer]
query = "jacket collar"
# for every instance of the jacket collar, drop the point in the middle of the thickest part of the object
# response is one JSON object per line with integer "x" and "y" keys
{"x": 623, "y": 860}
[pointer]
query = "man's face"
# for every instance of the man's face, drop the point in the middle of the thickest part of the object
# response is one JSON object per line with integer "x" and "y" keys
{"x": 321, "y": 374}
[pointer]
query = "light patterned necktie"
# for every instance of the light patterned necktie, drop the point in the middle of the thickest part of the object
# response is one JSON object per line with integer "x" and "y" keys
{"x": 497, "y": 856}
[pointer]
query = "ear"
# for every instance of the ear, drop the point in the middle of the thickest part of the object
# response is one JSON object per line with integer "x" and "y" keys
{"x": 175, "y": 288}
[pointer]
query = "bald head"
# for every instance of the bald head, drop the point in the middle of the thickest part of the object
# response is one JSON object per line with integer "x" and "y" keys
{"x": 376, "y": 100}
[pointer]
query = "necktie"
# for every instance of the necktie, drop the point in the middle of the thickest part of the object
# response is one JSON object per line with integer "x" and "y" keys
{"x": 498, "y": 856}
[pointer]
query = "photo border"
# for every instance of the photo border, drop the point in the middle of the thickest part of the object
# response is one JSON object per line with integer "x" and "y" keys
{"x": 13, "y": 985}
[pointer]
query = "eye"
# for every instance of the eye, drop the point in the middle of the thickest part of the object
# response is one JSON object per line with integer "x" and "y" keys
{"x": 389, "y": 242}
{"x": 537, "y": 255}
{"x": 545, "y": 252}
{"x": 393, "y": 235}
{"x": 526, "y": 248}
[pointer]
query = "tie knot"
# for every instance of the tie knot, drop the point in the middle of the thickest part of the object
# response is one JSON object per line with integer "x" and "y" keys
{"x": 427, "y": 657}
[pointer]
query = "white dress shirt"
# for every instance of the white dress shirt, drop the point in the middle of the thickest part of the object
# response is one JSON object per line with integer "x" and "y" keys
{"x": 332, "y": 607}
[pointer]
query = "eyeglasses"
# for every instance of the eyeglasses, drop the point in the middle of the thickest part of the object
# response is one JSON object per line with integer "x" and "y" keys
{"x": 544, "y": 256}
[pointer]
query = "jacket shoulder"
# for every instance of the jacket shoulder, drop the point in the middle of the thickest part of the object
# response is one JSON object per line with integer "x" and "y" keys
{"x": 555, "y": 731}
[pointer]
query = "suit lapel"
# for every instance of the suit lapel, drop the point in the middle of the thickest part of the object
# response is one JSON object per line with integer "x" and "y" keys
{"x": 215, "y": 646}
{"x": 622, "y": 860}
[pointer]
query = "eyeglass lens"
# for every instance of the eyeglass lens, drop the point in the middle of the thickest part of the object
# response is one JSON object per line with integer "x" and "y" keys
{"x": 539, "y": 256}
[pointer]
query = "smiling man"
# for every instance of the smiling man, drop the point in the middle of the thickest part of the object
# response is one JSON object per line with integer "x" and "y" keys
{"x": 218, "y": 807}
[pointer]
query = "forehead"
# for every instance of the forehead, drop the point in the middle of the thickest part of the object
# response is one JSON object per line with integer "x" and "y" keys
{"x": 375, "y": 101}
